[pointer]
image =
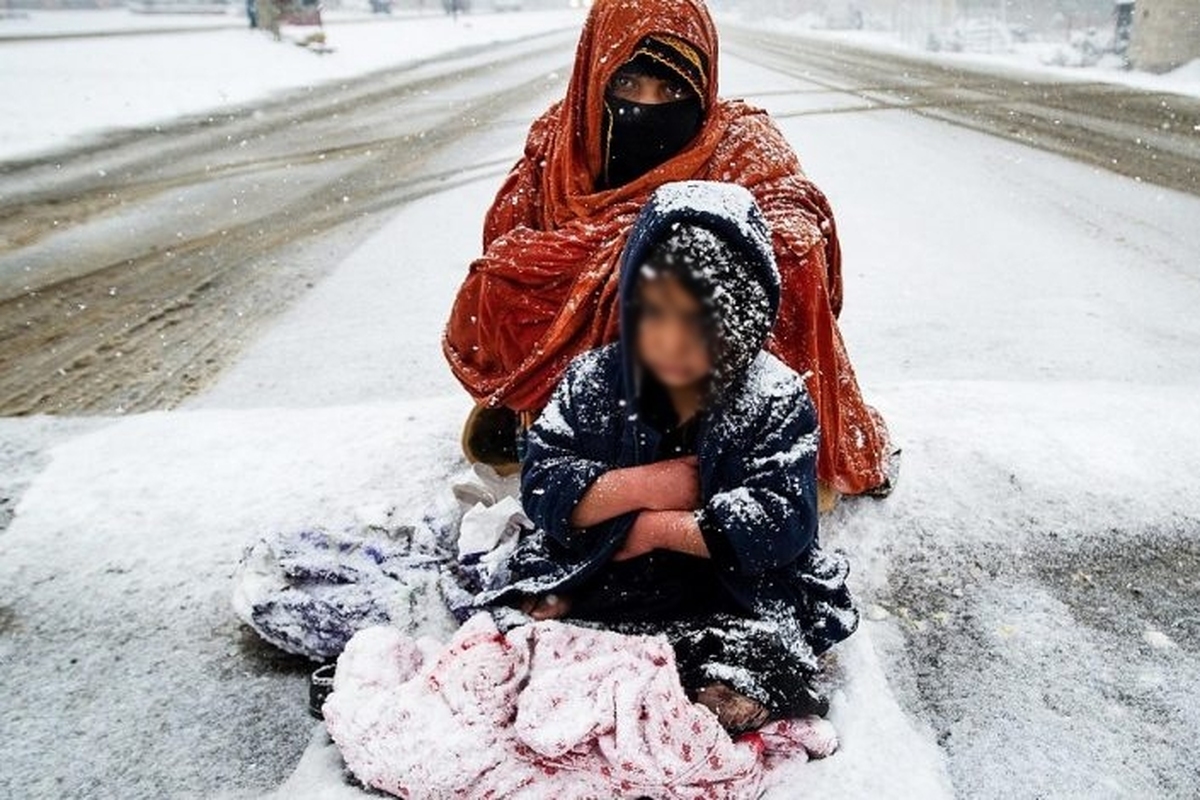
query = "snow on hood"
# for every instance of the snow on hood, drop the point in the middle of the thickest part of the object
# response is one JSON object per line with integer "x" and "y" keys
{"x": 738, "y": 279}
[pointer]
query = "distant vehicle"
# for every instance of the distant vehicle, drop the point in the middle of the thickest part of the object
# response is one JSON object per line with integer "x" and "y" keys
{"x": 508, "y": 5}
{"x": 456, "y": 6}
{"x": 381, "y": 6}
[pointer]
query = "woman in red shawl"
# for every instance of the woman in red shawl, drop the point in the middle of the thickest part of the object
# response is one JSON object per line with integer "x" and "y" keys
{"x": 641, "y": 110}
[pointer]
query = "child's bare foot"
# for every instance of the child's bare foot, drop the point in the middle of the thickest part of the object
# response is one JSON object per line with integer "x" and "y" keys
{"x": 735, "y": 711}
{"x": 550, "y": 606}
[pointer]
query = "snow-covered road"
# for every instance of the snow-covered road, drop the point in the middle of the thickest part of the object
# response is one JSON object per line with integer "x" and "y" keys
{"x": 131, "y": 271}
{"x": 1138, "y": 132}
{"x": 1024, "y": 321}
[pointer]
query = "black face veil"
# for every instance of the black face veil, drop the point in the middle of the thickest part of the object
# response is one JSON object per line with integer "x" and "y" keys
{"x": 641, "y": 136}
{"x": 638, "y": 136}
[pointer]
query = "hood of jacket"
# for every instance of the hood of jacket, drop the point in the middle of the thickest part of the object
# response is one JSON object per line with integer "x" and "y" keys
{"x": 725, "y": 235}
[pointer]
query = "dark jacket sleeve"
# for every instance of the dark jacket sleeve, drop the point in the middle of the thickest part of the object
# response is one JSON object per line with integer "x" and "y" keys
{"x": 563, "y": 459}
{"x": 769, "y": 519}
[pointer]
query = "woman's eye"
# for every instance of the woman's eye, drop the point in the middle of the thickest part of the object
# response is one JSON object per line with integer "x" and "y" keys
{"x": 677, "y": 91}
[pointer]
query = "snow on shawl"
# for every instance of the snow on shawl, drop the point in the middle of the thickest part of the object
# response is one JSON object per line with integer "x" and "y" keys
{"x": 548, "y": 709}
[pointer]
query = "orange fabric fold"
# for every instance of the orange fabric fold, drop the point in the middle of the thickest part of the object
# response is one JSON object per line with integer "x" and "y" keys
{"x": 545, "y": 288}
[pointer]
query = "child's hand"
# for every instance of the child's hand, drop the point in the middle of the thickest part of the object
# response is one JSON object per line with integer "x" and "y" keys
{"x": 662, "y": 486}
{"x": 640, "y": 540}
{"x": 673, "y": 485}
{"x": 663, "y": 530}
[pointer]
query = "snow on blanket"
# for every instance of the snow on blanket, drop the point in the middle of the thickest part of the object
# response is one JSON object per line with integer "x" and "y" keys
{"x": 308, "y": 591}
{"x": 548, "y": 709}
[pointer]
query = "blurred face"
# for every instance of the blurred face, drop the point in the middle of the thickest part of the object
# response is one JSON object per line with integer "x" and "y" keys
{"x": 671, "y": 339}
{"x": 636, "y": 87}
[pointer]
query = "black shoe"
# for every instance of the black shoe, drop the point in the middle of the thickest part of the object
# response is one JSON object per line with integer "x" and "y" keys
{"x": 891, "y": 472}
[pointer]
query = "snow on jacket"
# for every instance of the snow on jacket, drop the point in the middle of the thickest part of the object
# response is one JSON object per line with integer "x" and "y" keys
{"x": 757, "y": 445}
{"x": 546, "y": 710}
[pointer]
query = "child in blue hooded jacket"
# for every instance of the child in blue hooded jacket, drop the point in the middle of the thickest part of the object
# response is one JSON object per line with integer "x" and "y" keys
{"x": 672, "y": 477}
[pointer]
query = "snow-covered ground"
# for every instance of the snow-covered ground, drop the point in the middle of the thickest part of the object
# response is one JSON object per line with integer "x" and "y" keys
{"x": 57, "y": 93}
{"x": 1032, "y": 60}
{"x": 1023, "y": 322}
{"x": 1026, "y": 323}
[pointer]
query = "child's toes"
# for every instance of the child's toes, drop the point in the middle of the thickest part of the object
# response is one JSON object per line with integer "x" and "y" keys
{"x": 735, "y": 711}
{"x": 551, "y": 606}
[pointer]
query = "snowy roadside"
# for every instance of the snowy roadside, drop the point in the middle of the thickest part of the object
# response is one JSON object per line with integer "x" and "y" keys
{"x": 49, "y": 101}
{"x": 1026, "y": 61}
{"x": 1024, "y": 322}
{"x": 118, "y": 561}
